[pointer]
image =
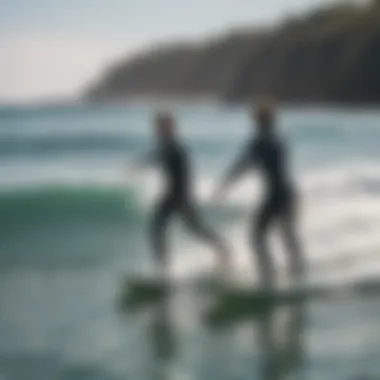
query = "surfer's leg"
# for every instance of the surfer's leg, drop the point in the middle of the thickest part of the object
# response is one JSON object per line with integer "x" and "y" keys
{"x": 260, "y": 244}
{"x": 199, "y": 228}
{"x": 268, "y": 347}
{"x": 160, "y": 221}
{"x": 288, "y": 229}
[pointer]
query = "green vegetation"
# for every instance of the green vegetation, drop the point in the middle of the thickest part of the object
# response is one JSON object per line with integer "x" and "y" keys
{"x": 331, "y": 55}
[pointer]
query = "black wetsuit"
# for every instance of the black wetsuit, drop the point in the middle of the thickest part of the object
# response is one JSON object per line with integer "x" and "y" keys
{"x": 175, "y": 163}
{"x": 268, "y": 154}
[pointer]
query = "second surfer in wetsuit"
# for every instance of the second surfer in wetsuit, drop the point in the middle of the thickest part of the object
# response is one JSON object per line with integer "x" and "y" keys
{"x": 173, "y": 159}
{"x": 267, "y": 152}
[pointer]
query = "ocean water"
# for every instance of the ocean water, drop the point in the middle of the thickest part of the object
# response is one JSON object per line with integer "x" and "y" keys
{"x": 73, "y": 225}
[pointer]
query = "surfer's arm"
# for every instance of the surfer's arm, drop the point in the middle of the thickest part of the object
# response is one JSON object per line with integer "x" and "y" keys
{"x": 147, "y": 159}
{"x": 240, "y": 166}
{"x": 140, "y": 162}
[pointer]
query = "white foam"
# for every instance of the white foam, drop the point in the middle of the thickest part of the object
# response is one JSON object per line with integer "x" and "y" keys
{"x": 339, "y": 213}
{"x": 339, "y": 221}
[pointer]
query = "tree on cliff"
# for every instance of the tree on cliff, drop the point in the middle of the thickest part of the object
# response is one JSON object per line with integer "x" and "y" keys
{"x": 329, "y": 55}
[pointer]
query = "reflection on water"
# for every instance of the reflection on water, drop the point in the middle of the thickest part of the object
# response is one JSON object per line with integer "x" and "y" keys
{"x": 59, "y": 327}
{"x": 163, "y": 340}
{"x": 160, "y": 331}
{"x": 279, "y": 343}
{"x": 283, "y": 352}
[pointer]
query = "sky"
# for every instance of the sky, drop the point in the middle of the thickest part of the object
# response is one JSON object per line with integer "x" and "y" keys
{"x": 54, "y": 48}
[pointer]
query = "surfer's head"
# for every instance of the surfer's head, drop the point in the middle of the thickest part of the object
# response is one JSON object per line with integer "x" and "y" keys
{"x": 164, "y": 125}
{"x": 264, "y": 114}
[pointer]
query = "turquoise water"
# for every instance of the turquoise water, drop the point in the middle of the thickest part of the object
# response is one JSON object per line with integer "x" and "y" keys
{"x": 73, "y": 220}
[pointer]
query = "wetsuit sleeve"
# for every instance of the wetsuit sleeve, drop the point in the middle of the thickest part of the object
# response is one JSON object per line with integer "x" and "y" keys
{"x": 148, "y": 159}
{"x": 243, "y": 162}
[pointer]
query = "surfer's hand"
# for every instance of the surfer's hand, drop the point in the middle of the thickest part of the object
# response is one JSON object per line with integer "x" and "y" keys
{"x": 219, "y": 194}
{"x": 131, "y": 171}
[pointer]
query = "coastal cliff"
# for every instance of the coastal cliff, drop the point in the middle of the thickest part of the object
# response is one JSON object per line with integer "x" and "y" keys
{"x": 331, "y": 55}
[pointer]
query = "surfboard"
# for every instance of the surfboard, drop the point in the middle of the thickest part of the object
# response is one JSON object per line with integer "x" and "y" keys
{"x": 233, "y": 304}
{"x": 139, "y": 292}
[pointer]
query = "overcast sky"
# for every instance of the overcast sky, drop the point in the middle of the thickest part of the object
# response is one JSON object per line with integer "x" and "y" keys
{"x": 51, "y": 48}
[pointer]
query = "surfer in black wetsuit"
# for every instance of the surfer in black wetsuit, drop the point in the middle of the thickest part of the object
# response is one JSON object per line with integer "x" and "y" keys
{"x": 174, "y": 160}
{"x": 267, "y": 152}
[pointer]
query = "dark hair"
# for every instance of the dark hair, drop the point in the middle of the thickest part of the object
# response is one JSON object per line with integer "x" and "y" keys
{"x": 265, "y": 111}
{"x": 163, "y": 117}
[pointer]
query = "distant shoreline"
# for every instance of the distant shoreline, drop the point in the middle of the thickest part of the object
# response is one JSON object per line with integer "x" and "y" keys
{"x": 329, "y": 56}
{"x": 169, "y": 102}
